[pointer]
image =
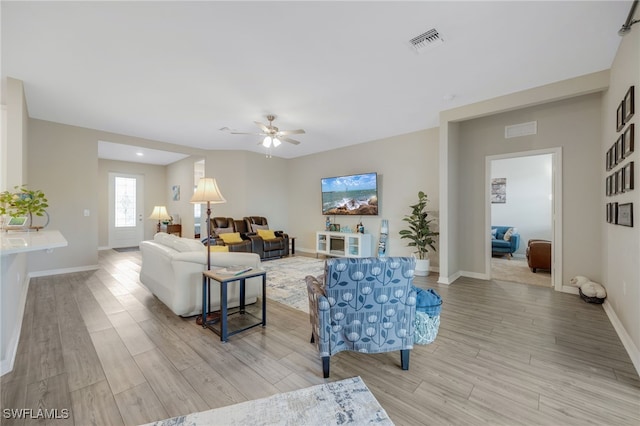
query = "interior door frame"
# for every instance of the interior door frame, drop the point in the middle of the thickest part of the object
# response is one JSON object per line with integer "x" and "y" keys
{"x": 556, "y": 214}
{"x": 139, "y": 205}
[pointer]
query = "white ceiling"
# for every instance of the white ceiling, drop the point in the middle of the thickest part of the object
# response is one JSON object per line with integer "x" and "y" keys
{"x": 177, "y": 72}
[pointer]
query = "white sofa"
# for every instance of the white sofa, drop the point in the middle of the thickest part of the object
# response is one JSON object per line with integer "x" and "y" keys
{"x": 172, "y": 270}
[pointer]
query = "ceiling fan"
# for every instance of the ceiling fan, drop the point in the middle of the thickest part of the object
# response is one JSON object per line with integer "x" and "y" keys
{"x": 272, "y": 135}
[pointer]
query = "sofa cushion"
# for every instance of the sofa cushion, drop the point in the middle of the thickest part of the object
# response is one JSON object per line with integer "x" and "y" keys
{"x": 186, "y": 244}
{"x": 500, "y": 244}
{"x": 266, "y": 234}
{"x": 228, "y": 230}
{"x": 218, "y": 248}
{"x": 257, "y": 228}
{"x": 231, "y": 237}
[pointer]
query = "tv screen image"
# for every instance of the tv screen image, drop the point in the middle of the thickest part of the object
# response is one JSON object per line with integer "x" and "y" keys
{"x": 350, "y": 195}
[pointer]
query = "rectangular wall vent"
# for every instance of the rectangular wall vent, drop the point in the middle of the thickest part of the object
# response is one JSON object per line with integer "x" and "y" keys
{"x": 522, "y": 129}
{"x": 426, "y": 40}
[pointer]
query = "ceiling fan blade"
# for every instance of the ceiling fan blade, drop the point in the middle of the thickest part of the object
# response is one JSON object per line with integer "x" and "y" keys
{"x": 263, "y": 127}
{"x": 291, "y": 132}
{"x": 243, "y": 133}
{"x": 293, "y": 141}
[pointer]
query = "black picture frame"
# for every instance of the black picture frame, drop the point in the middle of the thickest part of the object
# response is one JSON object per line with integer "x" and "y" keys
{"x": 614, "y": 183}
{"x": 607, "y": 186}
{"x": 620, "y": 149}
{"x": 624, "y": 214}
{"x": 620, "y": 181}
{"x": 614, "y": 213}
{"x": 607, "y": 162}
{"x": 607, "y": 209}
{"x": 628, "y": 174}
{"x": 620, "y": 117}
{"x": 628, "y": 136}
{"x": 628, "y": 103}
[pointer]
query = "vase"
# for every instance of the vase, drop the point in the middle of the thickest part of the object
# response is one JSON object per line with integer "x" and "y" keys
{"x": 422, "y": 267}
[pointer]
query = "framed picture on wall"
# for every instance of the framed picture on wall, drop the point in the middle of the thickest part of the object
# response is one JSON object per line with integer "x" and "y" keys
{"x": 608, "y": 212}
{"x": 620, "y": 149}
{"x": 628, "y": 177}
{"x": 620, "y": 117}
{"x": 607, "y": 161}
{"x": 620, "y": 181}
{"x": 625, "y": 214}
{"x": 629, "y": 106}
{"x": 614, "y": 213}
{"x": 628, "y": 141}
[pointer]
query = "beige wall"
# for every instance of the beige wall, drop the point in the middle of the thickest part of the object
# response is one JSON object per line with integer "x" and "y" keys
{"x": 621, "y": 273}
{"x": 405, "y": 165}
{"x": 63, "y": 162}
{"x": 572, "y": 124}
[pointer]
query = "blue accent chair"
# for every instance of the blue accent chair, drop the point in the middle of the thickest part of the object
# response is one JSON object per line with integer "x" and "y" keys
{"x": 499, "y": 246}
{"x": 364, "y": 305}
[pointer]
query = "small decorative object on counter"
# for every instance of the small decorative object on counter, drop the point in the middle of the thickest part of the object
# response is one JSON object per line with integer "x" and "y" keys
{"x": 327, "y": 224}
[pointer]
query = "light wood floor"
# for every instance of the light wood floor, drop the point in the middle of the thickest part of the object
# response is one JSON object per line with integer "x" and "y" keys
{"x": 98, "y": 344}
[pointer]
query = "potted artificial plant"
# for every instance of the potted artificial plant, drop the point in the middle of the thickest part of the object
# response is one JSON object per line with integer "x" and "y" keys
{"x": 420, "y": 234}
{"x": 24, "y": 202}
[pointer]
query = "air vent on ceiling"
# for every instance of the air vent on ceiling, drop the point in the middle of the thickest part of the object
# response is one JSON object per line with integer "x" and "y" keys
{"x": 426, "y": 40}
{"x": 523, "y": 129}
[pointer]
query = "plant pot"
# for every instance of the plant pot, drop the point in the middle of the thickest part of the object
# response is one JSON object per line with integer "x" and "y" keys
{"x": 422, "y": 267}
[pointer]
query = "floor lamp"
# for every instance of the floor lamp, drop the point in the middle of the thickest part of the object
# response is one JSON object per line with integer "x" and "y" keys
{"x": 208, "y": 192}
{"x": 159, "y": 213}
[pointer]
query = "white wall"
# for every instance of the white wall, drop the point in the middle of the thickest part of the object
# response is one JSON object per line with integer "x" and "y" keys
{"x": 13, "y": 268}
{"x": 621, "y": 275}
{"x": 528, "y": 205}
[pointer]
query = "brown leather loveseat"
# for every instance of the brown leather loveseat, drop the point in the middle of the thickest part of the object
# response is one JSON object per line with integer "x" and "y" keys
{"x": 243, "y": 235}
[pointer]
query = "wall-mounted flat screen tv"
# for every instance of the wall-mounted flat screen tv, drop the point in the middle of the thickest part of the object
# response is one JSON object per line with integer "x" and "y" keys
{"x": 350, "y": 195}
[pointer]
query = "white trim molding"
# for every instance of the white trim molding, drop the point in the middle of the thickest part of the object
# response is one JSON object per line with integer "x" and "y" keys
{"x": 627, "y": 342}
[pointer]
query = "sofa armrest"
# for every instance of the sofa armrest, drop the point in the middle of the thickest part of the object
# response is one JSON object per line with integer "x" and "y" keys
{"x": 515, "y": 242}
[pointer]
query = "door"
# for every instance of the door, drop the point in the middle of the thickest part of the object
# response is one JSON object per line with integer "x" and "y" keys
{"x": 126, "y": 206}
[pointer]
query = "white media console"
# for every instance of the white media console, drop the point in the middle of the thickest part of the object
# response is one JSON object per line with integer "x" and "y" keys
{"x": 343, "y": 244}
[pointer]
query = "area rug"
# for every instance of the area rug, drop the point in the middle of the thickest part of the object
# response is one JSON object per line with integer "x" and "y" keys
{"x": 347, "y": 401}
{"x": 517, "y": 270}
{"x": 285, "y": 279}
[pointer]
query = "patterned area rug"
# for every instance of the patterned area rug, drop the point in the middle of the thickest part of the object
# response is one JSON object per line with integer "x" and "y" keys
{"x": 347, "y": 401}
{"x": 285, "y": 279}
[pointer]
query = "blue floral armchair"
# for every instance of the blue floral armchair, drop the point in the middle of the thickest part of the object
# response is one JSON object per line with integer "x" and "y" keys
{"x": 364, "y": 305}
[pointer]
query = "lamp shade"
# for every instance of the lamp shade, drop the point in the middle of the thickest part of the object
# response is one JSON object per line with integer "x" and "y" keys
{"x": 159, "y": 213}
{"x": 207, "y": 192}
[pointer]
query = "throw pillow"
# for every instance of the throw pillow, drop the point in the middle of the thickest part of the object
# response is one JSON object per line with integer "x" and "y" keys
{"x": 266, "y": 234}
{"x": 231, "y": 237}
{"x": 255, "y": 227}
{"x": 507, "y": 235}
{"x": 218, "y": 248}
{"x": 494, "y": 231}
{"x": 186, "y": 244}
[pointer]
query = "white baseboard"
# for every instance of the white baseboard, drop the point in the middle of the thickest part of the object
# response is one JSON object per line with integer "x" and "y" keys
{"x": 448, "y": 280}
{"x": 6, "y": 364}
{"x": 63, "y": 271}
{"x": 628, "y": 344}
{"x": 476, "y": 275}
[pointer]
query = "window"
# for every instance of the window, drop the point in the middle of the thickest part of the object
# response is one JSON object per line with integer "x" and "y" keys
{"x": 125, "y": 202}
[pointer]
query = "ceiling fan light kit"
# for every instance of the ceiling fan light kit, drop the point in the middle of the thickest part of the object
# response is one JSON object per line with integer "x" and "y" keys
{"x": 273, "y": 136}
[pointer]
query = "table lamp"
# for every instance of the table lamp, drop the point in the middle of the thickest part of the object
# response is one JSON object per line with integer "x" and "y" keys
{"x": 159, "y": 213}
{"x": 208, "y": 192}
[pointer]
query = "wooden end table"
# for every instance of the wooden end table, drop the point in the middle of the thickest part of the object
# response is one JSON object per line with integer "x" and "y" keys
{"x": 224, "y": 280}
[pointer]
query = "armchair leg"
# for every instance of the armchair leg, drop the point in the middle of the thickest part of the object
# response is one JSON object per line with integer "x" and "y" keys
{"x": 312, "y": 338}
{"x": 325, "y": 366}
{"x": 404, "y": 358}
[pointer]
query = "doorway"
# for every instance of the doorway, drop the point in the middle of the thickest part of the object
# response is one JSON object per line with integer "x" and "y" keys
{"x": 126, "y": 206}
{"x": 530, "y": 202}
